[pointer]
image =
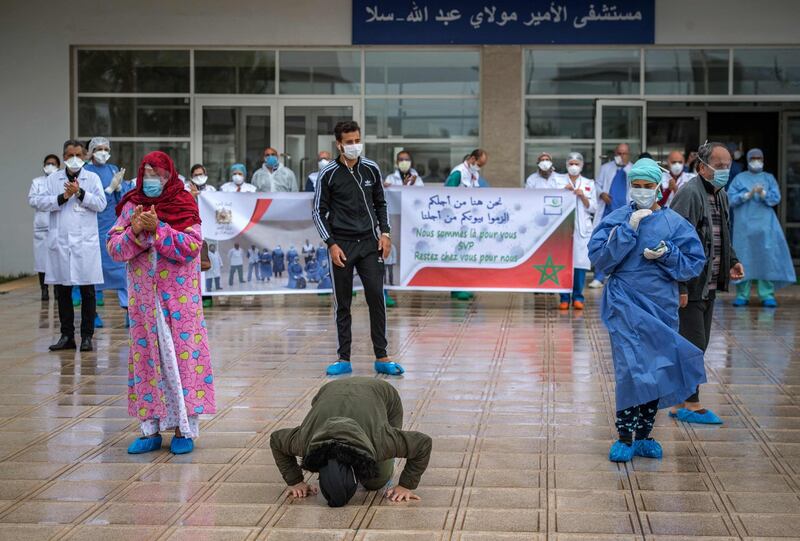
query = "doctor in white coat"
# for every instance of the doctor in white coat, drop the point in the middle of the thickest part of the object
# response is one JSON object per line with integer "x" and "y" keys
{"x": 41, "y": 221}
{"x": 73, "y": 198}
{"x": 586, "y": 206}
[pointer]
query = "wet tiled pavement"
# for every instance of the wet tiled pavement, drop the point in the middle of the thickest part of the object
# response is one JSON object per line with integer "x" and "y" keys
{"x": 517, "y": 396}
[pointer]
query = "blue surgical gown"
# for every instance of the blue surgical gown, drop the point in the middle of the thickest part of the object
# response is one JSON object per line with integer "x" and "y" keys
{"x": 640, "y": 305}
{"x": 757, "y": 235}
{"x": 114, "y": 276}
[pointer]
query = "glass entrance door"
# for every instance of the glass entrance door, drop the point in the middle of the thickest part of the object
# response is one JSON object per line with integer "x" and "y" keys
{"x": 618, "y": 121}
{"x": 790, "y": 201}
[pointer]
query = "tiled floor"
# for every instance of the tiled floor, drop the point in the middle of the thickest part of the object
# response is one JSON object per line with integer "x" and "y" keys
{"x": 517, "y": 396}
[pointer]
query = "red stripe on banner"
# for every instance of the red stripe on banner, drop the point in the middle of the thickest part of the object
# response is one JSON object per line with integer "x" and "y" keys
{"x": 549, "y": 267}
{"x": 261, "y": 208}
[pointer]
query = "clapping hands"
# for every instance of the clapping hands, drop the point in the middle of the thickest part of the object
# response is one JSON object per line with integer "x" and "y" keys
{"x": 144, "y": 220}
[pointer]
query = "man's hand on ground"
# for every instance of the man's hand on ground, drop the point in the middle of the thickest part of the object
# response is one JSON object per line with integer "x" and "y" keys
{"x": 401, "y": 494}
{"x": 302, "y": 490}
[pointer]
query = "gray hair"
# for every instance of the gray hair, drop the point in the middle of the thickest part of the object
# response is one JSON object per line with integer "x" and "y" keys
{"x": 707, "y": 148}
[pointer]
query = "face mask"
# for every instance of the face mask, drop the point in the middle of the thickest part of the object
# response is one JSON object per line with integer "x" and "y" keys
{"x": 545, "y": 165}
{"x": 102, "y": 156}
{"x": 74, "y": 163}
{"x": 676, "y": 168}
{"x": 618, "y": 160}
{"x": 720, "y": 178}
{"x": 574, "y": 170}
{"x": 404, "y": 166}
{"x": 352, "y": 152}
{"x": 152, "y": 186}
{"x": 49, "y": 169}
{"x": 200, "y": 179}
{"x": 271, "y": 161}
{"x": 238, "y": 179}
{"x": 322, "y": 163}
{"x": 756, "y": 166}
{"x": 644, "y": 197}
{"x": 737, "y": 154}
{"x": 475, "y": 168}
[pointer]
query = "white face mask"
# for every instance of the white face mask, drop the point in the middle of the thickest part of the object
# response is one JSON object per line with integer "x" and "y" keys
{"x": 618, "y": 160}
{"x": 322, "y": 163}
{"x": 475, "y": 168}
{"x": 200, "y": 179}
{"x": 404, "y": 165}
{"x": 644, "y": 198}
{"x": 352, "y": 152}
{"x": 74, "y": 163}
{"x": 676, "y": 168}
{"x": 574, "y": 170}
{"x": 102, "y": 156}
{"x": 49, "y": 169}
{"x": 545, "y": 165}
{"x": 756, "y": 166}
{"x": 238, "y": 179}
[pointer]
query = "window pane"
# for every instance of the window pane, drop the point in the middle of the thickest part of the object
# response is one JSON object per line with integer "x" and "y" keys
{"x": 133, "y": 117}
{"x": 320, "y": 72}
{"x": 665, "y": 134}
{"x": 793, "y": 238}
{"x": 422, "y": 72}
{"x": 433, "y": 161}
{"x": 129, "y": 154}
{"x": 559, "y": 152}
{"x": 434, "y": 119}
{"x": 792, "y": 176}
{"x": 766, "y": 71}
{"x": 234, "y": 72}
{"x": 686, "y": 71}
{"x": 604, "y": 71}
{"x": 560, "y": 118}
{"x": 133, "y": 71}
{"x": 234, "y": 134}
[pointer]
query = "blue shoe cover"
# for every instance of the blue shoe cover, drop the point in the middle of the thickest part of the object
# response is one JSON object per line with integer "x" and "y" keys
{"x": 144, "y": 445}
{"x": 338, "y": 368}
{"x": 181, "y": 446}
{"x": 76, "y": 296}
{"x": 100, "y": 299}
{"x": 620, "y": 452}
{"x": 707, "y": 418}
{"x": 392, "y": 369}
{"x": 98, "y": 323}
{"x": 740, "y": 301}
{"x": 648, "y": 448}
{"x": 770, "y": 303}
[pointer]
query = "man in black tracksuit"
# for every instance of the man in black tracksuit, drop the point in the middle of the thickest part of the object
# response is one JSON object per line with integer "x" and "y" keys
{"x": 351, "y": 217}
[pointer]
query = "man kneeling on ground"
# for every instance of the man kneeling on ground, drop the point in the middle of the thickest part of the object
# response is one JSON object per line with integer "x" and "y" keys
{"x": 352, "y": 435}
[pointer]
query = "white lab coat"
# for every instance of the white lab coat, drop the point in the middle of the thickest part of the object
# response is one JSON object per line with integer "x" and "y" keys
{"x": 603, "y": 185}
{"x": 396, "y": 179}
{"x": 583, "y": 219}
{"x": 280, "y": 180}
{"x": 468, "y": 178}
{"x": 203, "y": 188}
{"x": 41, "y": 223}
{"x": 73, "y": 246}
{"x": 235, "y": 257}
{"x": 537, "y": 182}
{"x": 216, "y": 265}
{"x": 246, "y": 187}
{"x": 683, "y": 179}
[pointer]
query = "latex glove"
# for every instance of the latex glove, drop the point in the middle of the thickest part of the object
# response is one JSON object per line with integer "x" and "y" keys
{"x": 116, "y": 182}
{"x": 638, "y": 216}
{"x": 658, "y": 252}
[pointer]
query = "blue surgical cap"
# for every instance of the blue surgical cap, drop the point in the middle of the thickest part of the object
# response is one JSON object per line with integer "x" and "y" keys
{"x": 645, "y": 169}
{"x": 239, "y": 167}
{"x": 754, "y": 153}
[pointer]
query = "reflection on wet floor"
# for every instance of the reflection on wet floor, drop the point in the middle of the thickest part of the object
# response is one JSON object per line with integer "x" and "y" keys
{"x": 517, "y": 396}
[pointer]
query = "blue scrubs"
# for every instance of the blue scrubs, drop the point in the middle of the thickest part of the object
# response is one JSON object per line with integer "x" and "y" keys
{"x": 295, "y": 274}
{"x": 278, "y": 264}
{"x": 652, "y": 361}
{"x": 618, "y": 192}
{"x": 757, "y": 234}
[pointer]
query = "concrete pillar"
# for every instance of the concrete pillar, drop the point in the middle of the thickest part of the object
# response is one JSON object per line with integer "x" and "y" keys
{"x": 501, "y": 114}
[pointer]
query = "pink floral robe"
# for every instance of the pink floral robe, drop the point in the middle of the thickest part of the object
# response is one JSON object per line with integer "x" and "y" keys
{"x": 164, "y": 272}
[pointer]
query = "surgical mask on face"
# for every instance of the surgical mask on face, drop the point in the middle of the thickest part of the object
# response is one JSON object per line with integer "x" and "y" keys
{"x": 271, "y": 161}
{"x": 618, "y": 160}
{"x": 545, "y": 165}
{"x": 102, "y": 156}
{"x": 720, "y": 178}
{"x": 475, "y": 168}
{"x": 676, "y": 168}
{"x": 49, "y": 169}
{"x": 200, "y": 179}
{"x": 756, "y": 166}
{"x": 152, "y": 186}
{"x": 352, "y": 152}
{"x": 574, "y": 170}
{"x": 238, "y": 179}
{"x": 74, "y": 163}
{"x": 404, "y": 165}
{"x": 644, "y": 198}
{"x": 322, "y": 163}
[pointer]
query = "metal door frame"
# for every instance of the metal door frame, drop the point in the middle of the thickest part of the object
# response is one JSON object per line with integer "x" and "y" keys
{"x": 598, "y": 126}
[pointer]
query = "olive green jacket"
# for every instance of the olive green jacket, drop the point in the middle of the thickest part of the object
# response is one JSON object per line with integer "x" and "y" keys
{"x": 363, "y": 413}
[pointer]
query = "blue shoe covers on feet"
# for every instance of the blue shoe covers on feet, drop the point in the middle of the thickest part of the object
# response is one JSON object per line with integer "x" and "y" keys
{"x": 648, "y": 448}
{"x": 338, "y": 368}
{"x": 144, "y": 445}
{"x": 739, "y": 301}
{"x": 181, "y": 446}
{"x": 770, "y": 303}
{"x": 707, "y": 418}
{"x": 391, "y": 369}
{"x": 98, "y": 323}
{"x": 620, "y": 452}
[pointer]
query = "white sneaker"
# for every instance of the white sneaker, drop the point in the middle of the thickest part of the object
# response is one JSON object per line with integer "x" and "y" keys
{"x": 595, "y": 284}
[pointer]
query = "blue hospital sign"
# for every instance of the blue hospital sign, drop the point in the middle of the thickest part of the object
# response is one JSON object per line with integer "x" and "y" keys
{"x": 478, "y": 22}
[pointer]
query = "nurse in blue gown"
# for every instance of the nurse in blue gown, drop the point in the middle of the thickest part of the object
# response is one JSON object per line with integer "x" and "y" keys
{"x": 757, "y": 234}
{"x": 646, "y": 251}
